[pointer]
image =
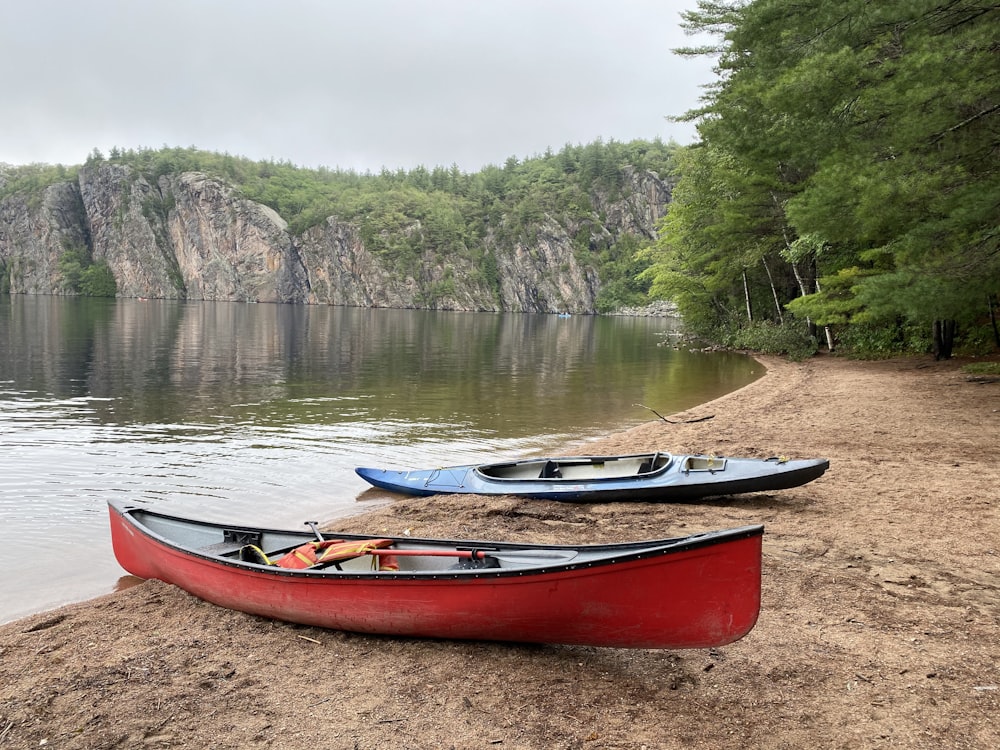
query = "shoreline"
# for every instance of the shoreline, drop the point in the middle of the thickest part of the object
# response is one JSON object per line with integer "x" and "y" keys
{"x": 370, "y": 494}
{"x": 878, "y": 626}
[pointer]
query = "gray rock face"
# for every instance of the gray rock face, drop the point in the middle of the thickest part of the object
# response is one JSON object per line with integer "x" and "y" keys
{"x": 34, "y": 236}
{"x": 190, "y": 236}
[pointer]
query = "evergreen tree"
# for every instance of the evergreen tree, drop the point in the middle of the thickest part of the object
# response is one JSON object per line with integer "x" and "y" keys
{"x": 854, "y": 144}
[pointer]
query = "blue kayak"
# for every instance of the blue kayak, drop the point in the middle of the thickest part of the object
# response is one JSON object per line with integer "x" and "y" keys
{"x": 593, "y": 479}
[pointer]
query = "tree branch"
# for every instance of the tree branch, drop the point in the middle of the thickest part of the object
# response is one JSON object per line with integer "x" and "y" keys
{"x": 965, "y": 122}
{"x": 677, "y": 421}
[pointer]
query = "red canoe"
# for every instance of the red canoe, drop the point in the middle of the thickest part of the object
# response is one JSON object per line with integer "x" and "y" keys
{"x": 697, "y": 591}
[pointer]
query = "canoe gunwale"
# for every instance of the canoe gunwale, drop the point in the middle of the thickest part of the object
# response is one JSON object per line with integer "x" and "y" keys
{"x": 613, "y": 553}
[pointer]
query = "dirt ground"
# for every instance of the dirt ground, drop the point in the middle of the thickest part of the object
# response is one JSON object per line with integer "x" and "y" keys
{"x": 880, "y": 623}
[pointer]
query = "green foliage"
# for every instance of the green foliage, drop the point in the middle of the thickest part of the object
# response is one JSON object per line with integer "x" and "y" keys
{"x": 80, "y": 275}
{"x": 838, "y": 304}
{"x": 982, "y": 368}
{"x": 791, "y": 339}
{"x": 98, "y": 281}
{"x": 978, "y": 341}
{"x": 853, "y": 143}
{"x": 32, "y": 179}
{"x": 71, "y": 266}
{"x": 560, "y": 184}
{"x": 919, "y": 298}
{"x": 879, "y": 339}
{"x": 621, "y": 270}
{"x": 490, "y": 272}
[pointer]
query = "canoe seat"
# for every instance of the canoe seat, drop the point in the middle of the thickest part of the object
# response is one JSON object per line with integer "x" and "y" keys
{"x": 222, "y": 549}
{"x": 251, "y": 553}
{"x": 476, "y": 563}
{"x": 550, "y": 471}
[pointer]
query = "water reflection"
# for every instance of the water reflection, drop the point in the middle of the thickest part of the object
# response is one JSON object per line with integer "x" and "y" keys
{"x": 260, "y": 412}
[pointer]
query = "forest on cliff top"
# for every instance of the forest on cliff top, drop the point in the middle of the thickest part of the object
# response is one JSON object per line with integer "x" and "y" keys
{"x": 454, "y": 210}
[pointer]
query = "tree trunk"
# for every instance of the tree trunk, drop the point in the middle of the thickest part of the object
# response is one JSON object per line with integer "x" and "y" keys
{"x": 991, "y": 302}
{"x": 746, "y": 293}
{"x": 826, "y": 329}
{"x": 774, "y": 293}
{"x": 944, "y": 338}
{"x": 803, "y": 289}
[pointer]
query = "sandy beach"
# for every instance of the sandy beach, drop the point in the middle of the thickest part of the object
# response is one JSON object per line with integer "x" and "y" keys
{"x": 879, "y": 628}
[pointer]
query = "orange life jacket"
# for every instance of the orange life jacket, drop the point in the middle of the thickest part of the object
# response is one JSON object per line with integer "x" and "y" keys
{"x": 333, "y": 550}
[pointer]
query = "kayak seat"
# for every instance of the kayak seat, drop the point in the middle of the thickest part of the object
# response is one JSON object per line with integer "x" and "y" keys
{"x": 550, "y": 471}
{"x": 647, "y": 466}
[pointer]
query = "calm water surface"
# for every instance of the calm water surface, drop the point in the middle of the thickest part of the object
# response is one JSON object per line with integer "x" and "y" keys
{"x": 259, "y": 413}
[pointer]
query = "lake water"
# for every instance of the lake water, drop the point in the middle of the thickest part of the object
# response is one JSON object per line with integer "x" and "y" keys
{"x": 259, "y": 413}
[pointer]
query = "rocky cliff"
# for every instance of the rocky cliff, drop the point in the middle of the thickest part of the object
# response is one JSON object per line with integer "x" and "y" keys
{"x": 190, "y": 236}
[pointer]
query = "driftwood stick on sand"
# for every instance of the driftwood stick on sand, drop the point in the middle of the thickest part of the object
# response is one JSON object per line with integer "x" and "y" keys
{"x": 676, "y": 421}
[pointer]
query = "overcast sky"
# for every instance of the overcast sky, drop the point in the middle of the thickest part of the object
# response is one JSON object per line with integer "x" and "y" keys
{"x": 354, "y": 84}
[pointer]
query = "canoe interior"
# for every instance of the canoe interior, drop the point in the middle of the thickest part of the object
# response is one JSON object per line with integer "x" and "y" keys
{"x": 585, "y": 468}
{"x": 226, "y": 543}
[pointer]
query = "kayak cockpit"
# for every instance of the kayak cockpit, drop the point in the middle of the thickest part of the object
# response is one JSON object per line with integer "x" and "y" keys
{"x": 579, "y": 468}
{"x": 710, "y": 464}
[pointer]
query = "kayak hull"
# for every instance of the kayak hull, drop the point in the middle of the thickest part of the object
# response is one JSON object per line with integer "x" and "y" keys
{"x": 593, "y": 479}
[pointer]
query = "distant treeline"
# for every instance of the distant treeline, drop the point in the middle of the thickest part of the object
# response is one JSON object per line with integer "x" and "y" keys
{"x": 454, "y": 209}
